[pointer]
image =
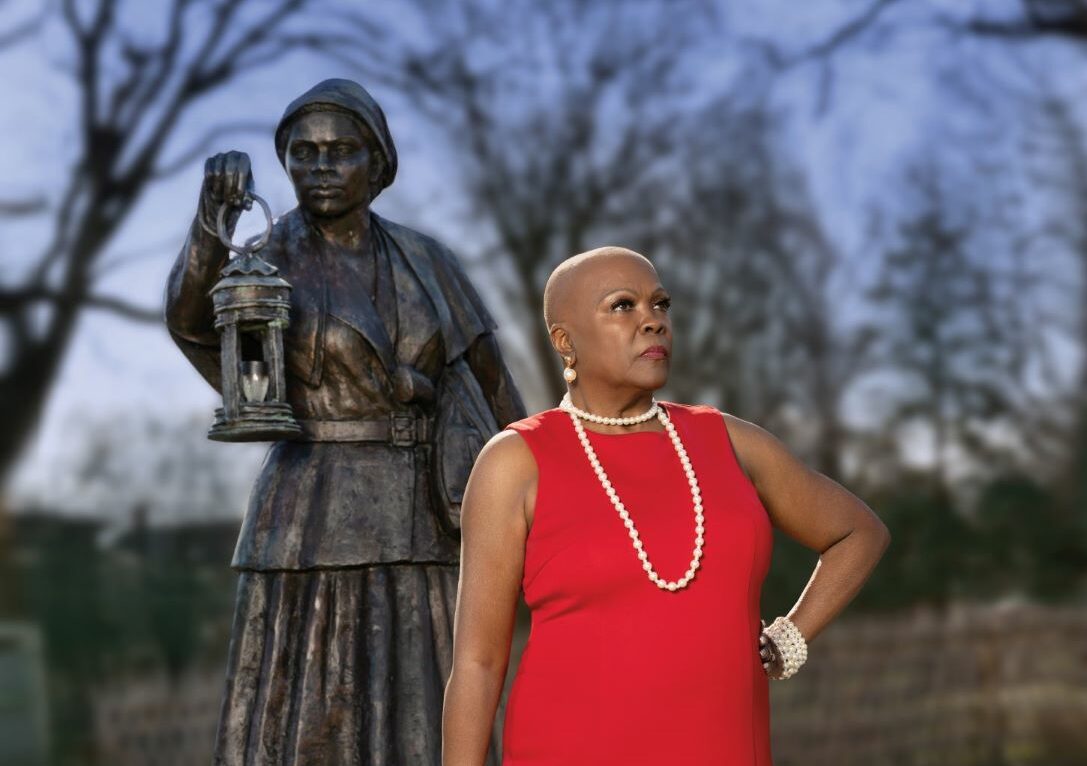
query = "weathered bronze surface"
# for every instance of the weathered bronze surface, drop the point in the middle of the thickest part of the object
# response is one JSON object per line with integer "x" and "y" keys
{"x": 342, "y": 640}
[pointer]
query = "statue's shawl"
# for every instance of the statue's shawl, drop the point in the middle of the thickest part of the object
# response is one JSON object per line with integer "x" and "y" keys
{"x": 462, "y": 315}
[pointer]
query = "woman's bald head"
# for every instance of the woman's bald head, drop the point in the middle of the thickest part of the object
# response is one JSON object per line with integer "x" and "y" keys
{"x": 575, "y": 275}
{"x": 607, "y": 316}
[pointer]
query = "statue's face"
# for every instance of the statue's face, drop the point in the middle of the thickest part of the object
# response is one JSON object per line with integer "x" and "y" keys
{"x": 329, "y": 162}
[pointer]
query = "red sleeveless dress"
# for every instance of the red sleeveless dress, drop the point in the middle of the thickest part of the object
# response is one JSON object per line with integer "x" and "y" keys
{"x": 616, "y": 670}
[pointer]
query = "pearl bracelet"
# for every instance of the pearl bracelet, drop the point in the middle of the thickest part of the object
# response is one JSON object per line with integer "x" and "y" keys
{"x": 790, "y": 645}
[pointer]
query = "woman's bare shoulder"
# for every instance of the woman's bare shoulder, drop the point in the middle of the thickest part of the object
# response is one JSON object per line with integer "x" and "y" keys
{"x": 505, "y": 465}
{"x": 750, "y": 443}
{"x": 740, "y": 428}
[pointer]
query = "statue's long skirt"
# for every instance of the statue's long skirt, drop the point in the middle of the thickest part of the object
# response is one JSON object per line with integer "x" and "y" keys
{"x": 339, "y": 667}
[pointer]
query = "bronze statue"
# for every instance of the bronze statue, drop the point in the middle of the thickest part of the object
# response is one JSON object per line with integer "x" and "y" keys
{"x": 348, "y": 553}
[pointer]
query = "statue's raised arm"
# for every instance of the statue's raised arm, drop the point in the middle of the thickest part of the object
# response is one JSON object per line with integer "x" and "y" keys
{"x": 227, "y": 179}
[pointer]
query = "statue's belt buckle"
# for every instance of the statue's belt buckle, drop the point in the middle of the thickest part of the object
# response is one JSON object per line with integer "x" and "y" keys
{"x": 403, "y": 430}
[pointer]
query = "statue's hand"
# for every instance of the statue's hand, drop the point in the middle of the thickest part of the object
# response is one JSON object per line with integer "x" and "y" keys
{"x": 227, "y": 178}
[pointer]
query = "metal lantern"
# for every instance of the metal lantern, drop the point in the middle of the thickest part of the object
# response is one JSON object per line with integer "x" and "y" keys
{"x": 252, "y": 308}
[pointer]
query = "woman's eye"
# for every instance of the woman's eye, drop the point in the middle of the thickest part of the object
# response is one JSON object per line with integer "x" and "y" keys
{"x": 343, "y": 150}
{"x": 624, "y": 304}
{"x": 300, "y": 153}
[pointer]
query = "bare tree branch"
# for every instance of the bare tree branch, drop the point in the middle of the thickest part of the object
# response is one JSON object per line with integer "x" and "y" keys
{"x": 1066, "y": 19}
{"x": 542, "y": 172}
{"x": 18, "y": 208}
{"x": 204, "y": 144}
{"x": 149, "y": 69}
{"x": 122, "y": 260}
{"x": 212, "y": 72}
{"x": 25, "y": 29}
{"x": 1037, "y": 20}
{"x": 124, "y": 309}
{"x": 10, "y": 299}
{"x": 59, "y": 251}
{"x": 133, "y": 96}
{"x": 845, "y": 33}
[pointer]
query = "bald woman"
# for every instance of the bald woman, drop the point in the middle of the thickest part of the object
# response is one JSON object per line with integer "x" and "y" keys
{"x": 640, "y": 533}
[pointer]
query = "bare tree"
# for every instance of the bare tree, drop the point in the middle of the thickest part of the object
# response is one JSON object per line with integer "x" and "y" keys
{"x": 1059, "y": 164}
{"x": 941, "y": 331}
{"x": 1010, "y": 36}
{"x": 1036, "y": 20}
{"x": 135, "y": 85}
{"x": 872, "y": 24}
{"x": 1023, "y": 108}
{"x": 758, "y": 284}
{"x": 1020, "y": 21}
{"x": 725, "y": 261}
{"x": 563, "y": 116}
{"x": 575, "y": 126}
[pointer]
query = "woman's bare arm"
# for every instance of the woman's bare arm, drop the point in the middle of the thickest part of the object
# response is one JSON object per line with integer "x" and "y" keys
{"x": 499, "y": 493}
{"x": 819, "y": 514}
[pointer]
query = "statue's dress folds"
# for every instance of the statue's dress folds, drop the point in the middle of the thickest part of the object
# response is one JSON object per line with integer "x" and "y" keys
{"x": 342, "y": 639}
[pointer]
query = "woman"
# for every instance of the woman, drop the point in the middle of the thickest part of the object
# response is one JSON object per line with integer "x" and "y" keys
{"x": 640, "y": 535}
{"x": 348, "y": 553}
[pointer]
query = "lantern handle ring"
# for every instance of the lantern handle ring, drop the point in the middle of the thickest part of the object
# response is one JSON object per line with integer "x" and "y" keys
{"x": 253, "y": 244}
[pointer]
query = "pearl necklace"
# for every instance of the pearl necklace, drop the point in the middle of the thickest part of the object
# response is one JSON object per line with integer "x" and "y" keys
{"x": 568, "y": 405}
{"x": 685, "y": 461}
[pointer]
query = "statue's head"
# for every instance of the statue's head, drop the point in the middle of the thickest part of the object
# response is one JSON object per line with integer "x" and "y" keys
{"x": 336, "y": 147}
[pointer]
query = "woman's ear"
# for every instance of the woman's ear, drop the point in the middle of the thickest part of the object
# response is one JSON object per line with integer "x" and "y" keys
{"x": 560, "y": 340}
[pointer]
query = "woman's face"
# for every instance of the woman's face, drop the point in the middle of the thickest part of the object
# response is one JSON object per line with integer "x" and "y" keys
{"x": 329, "y": 162}
{"x": 620, "y": 327}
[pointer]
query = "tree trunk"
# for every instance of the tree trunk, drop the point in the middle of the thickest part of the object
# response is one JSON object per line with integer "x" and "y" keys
{"x": 25, "y": 389}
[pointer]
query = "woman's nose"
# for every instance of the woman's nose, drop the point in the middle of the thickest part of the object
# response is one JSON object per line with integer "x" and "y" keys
{"x": 652, "y": 324}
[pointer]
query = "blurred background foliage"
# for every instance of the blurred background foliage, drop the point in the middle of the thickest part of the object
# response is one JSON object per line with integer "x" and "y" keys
{"x": 872, "y": 215}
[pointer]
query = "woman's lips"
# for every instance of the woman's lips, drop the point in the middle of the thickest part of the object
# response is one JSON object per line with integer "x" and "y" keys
{"x": 655, "y": 352}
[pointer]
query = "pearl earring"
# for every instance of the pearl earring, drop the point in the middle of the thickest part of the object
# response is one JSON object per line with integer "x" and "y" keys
{"x": 569, "y": 374}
